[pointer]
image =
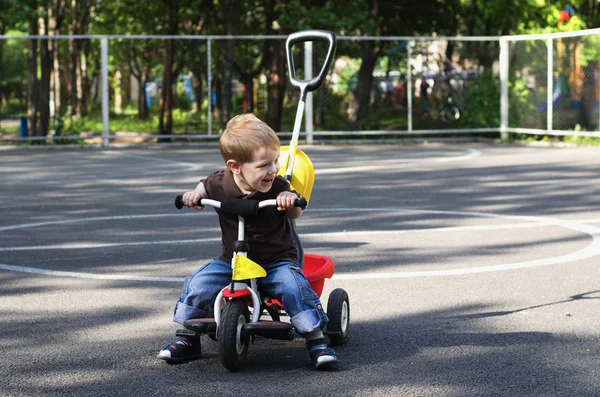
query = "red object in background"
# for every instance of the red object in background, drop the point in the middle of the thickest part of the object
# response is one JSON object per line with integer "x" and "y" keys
{"x": 564, "y": 16}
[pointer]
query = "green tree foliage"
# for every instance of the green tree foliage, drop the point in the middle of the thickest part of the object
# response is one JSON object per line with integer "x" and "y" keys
{"x": 13, "y": 56}
{"x": 146, "y": 59}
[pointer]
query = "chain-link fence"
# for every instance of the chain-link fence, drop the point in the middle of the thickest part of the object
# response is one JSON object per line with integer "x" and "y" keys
{"x": 553, "y": 85}
{"x": 131, "y": 89}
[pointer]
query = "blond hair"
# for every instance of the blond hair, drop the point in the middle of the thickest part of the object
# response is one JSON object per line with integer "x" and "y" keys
{"x": 243, "y": 135}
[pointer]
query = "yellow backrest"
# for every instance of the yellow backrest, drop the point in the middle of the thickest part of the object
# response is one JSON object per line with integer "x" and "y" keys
{"x": 303, "y": 173}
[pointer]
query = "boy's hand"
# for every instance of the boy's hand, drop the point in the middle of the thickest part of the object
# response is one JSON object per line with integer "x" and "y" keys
{"x": 286, "y": 200}
{"x": 190, "y": 199}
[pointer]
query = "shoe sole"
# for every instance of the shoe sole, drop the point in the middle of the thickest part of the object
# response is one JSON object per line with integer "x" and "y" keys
{"x": 170, "y": 360}
{"x": 326, "y": 364}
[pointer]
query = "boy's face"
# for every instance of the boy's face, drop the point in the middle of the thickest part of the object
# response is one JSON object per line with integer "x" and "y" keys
{"x": 258, "y": 174}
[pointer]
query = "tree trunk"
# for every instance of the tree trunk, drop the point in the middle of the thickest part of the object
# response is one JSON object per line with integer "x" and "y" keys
{"x": 141, "y": 73}
{"x": 56, "y": 80}
{"x": 319, "y": 112}
{"x": 87, "y": 50}
{"x": 275, "y": 61}
{"x": 231, "y": 10}
{"x": 83, "y": 79}
{"x": 247, "y": 79}
{"x": 197, "y": 60}
{"x": 249, "y": 97}
{"x": 32, "y": 80}
{"x": 55, "y": 25}
{"x": 46, "y": 61}
{"x": 359, "y": 109}
{"x": 369, "y": 51}
{"x": 196, "y": 75}
{"x": 78, "y": 49}
{"x": 276, "y": 85}
{"x": 198, "y": 89}
{"x": 73, "y": 62}
{"x": 165, "y": 105}
{"x": 73, "y": 68}
{"x": 2, "y": 31}
{"x": 143, "y": 111}
{"x": 226, "y": 95}
{"x": 588, "y": 114}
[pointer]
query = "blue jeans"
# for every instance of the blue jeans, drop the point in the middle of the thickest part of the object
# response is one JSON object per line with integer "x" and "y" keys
{"x": 284, "y": 282}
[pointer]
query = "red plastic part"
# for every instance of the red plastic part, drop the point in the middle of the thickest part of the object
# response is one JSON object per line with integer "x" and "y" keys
{"x": 240, "y": 293}
{"x": 316, "y": 269}
{"x": 274, "y": 304}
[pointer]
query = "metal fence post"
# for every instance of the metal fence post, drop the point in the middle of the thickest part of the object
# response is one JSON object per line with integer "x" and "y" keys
{"x": 549, "y": 99}
{"x": 308, "y": 115}
{"x": 504, "y": 48}
{"x": 209, "y": 85}
{"x": 105, "y": 102}
{"x": 409, "y": 89}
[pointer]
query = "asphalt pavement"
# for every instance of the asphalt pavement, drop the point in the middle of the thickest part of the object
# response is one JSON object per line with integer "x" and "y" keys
{"x": 472, "y": 270}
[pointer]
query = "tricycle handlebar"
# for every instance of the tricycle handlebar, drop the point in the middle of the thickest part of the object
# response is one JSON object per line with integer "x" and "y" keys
{"x": 241, "y": 207}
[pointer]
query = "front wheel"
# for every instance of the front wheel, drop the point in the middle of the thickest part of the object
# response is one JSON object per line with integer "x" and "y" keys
{"x": 338, "y": 311}
{"x": 233, "y": 343}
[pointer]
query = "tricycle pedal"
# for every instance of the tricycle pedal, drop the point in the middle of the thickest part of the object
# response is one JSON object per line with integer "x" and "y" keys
{"x": 201, "y": 325}
{"x": 270, "y": 329}
{"x": 186, "y": 333}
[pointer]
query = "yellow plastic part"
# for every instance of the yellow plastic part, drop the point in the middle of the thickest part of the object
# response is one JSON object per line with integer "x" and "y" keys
{"x": 246, "y": 269}
{"x": 303, "y": 173}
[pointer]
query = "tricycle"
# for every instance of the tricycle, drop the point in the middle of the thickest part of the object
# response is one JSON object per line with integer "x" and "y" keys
{"x": 239, "y": 306}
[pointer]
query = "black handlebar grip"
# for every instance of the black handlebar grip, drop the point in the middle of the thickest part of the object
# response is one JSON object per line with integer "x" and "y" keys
{"x": 301, "y": 203}
{"x": 179, "y": 202}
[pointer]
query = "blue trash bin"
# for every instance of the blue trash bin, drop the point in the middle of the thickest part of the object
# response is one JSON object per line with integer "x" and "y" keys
{"x": 23, "y": 129}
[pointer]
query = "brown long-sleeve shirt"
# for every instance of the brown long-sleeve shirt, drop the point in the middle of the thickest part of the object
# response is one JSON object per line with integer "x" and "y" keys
{"x": 269, "y": 235}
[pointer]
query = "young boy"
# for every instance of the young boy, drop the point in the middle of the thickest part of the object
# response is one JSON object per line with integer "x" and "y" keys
{"x": 250, "y": 149}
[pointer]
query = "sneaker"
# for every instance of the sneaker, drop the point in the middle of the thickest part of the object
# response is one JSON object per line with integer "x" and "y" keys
{"x": 181, "y": 351}
{"x": 323, "y": 357}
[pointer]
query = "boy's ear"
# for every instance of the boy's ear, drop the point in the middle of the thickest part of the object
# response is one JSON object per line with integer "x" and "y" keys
{"x": 233, "y": 166}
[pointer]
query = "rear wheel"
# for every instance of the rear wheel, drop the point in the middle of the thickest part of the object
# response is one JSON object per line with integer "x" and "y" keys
{"x": 338, "y": 311}
{"x": 233, "y": 343}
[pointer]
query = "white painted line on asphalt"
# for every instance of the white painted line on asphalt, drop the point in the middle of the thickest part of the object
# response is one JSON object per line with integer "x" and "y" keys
{"x": 304, "y": 235}
{"x": 472, "y": 153}
{"x": 597, "y": 220}
{"x": 88, "y": 177}
{"x": 94, "y": 219}
{"x": 385, "y": 165}
{"x": 591, "y": 250}
{"x": 92, "y": 276}
{"x": 191, "y": 166}
{"x": 106, "y": 245}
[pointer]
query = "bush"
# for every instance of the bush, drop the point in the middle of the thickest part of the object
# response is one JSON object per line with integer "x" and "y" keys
{"x": 482, "y": 102}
